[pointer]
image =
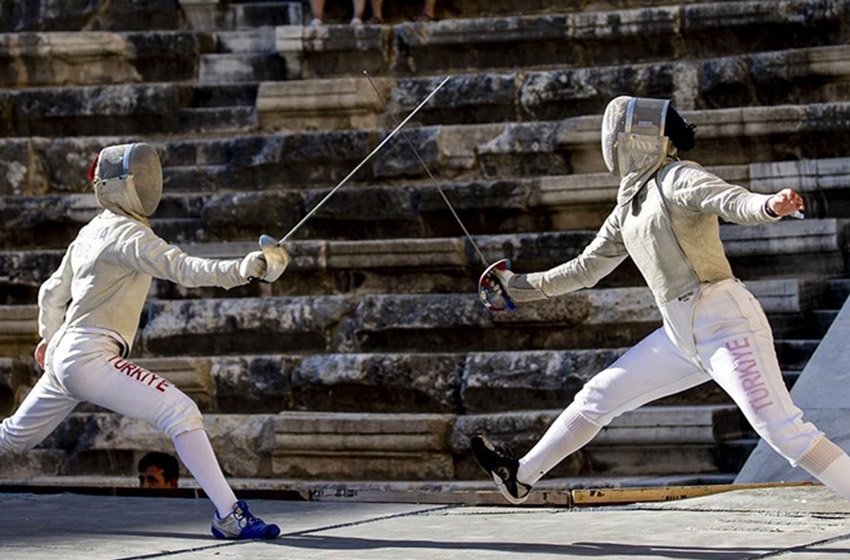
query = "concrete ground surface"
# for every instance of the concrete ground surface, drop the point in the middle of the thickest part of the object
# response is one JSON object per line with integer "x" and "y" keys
{"x": 788, "y": 523}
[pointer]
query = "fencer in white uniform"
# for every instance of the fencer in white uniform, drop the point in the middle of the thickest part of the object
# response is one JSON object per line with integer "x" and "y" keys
{"x": 666, "y": 220}
{"x": 89, "y": 312}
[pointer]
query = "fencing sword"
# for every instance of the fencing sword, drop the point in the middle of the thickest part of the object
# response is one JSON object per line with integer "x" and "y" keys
{"x": 276, "y": 256}
{"x": 491, "y": 291}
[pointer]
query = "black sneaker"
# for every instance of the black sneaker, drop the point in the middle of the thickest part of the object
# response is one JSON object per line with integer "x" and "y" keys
{"x": 499, "y": 462}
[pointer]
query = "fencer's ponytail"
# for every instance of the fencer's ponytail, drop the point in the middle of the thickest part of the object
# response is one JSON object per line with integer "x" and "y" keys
{"x": 677, "y": 129}
{"x": 93, "y": 168}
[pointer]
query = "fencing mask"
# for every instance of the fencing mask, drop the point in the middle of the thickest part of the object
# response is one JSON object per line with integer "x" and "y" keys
{"x": 128, "y": 178}
{"x": 638, "y": 135}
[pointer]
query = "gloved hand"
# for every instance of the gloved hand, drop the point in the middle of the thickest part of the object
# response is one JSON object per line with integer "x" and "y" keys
{"x": 253, "y": 266}
{"x": 277, "y": 259}
{"x": 494, "y": 287}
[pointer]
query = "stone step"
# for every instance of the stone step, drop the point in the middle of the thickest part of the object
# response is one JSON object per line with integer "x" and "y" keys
{"x": 680, "y": 440}
{"x": 34, "y": 463}
{"x": 436, "y": 382}
{"x": 822, "y": 319}
{"x": 71, "y": 58}
{"x": 838, "y": 290}
{"x": 89, "y": 58}
{"x": 568, "y": 202}
{"x": 580, "y": 201}
{"x": 216, "y": 15}
{"x": 726, "y": 137}
{"x": 218, "y": 119}
{"x": 548, "y": 492}
{"x": 18, "y": 329}
{"x": 363, "y": 446}
{"x": 242, "y": 67}
{"x": 808, "y": 75}
{"x": 349, "y": 102}
{"x": 403, "y": 323}
{"x": 247, "y": 41}
{"x": 409, "y": 323}
{"x": 224, "y": 95}
{"x": 72, "y": 16}
{"x": 808, "y": 250}
{"x": 150, "y": 108}
{"x": 794, "y": 354}
{"x": 479, "y": 8}
{"x": 454, "y": 152}
{"x": 593, "y": 38}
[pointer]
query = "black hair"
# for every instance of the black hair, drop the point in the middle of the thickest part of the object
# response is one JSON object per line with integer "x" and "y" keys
{"x": 677, "y": 129}
{"x": 168, "y": 464}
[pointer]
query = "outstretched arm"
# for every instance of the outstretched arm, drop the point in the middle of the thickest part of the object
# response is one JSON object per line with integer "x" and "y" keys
{"x": 149, "y": 254}
{"x": 599, "y": 259}
{"x": 699, "y": 190}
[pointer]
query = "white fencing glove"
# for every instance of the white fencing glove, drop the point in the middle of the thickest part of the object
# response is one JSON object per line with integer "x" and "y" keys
{"x": 253, "y": 266}
{"x": 277, "y": 259}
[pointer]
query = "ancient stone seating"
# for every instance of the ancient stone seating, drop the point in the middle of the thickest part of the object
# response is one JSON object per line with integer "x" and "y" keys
{"x": 373, "y": 347}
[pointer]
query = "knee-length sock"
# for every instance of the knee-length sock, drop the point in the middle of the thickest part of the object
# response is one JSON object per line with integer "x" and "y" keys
{"x": 830, "y": 464}
{"x": 568, "y": 433}
{"x": 197, "y": 454}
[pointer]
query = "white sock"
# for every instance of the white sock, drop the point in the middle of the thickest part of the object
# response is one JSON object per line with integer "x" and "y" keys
{"x": 829, "y": 464}
{"x": 568, "y": 433}
{"x": 197, "y": 454}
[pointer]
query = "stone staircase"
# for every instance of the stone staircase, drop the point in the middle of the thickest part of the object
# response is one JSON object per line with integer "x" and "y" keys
{"x": 372, "y": 359}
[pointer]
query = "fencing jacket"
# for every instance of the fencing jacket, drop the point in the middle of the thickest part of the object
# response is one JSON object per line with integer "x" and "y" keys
{"x": 670, "y": 229}
{"x": 106, "y": 273}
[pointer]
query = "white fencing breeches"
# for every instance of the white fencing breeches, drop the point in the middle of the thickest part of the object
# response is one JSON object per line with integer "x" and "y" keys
{"x": 732, "y": 344}
{"x": 85, "y": 365}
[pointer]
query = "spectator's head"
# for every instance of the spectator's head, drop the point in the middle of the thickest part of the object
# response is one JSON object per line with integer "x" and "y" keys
{"x": 158, "y": 470}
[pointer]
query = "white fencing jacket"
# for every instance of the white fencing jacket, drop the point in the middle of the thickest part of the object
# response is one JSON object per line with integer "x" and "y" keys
{"x": 671, "y": 233}
{"x": 670, "y": 229}
{"x": 106, "y": 273}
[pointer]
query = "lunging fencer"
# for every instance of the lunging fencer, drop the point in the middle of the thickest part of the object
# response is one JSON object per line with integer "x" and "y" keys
{"x": 89, "y": 312}
{"x": 666, "y": 220}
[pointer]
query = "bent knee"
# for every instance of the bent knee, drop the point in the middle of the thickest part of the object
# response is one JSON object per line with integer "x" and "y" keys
{"x": 183, "y": 416}
{"x": 792, "y": 441}
{"x": 11, "y": 442}
{"x": 597, "y": 406}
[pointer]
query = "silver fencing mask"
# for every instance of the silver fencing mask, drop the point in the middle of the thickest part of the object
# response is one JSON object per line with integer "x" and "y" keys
{"x": 634, "y": 144}
{"x": 129, "y": 178}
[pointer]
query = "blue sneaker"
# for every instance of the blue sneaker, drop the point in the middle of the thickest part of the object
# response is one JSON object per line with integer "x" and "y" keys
{"x": 240, "y": 524}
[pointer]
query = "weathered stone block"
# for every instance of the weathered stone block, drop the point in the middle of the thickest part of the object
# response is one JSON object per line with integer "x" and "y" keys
{"x": 497, "y": 381}
{"x": 378, "y": 383}
{"x": 487, "y": 43}
{"x": 111, "y": 15}
{"x": 649, "y": 440}
{"x": 18, "y": 329}
{"x": 256, "y": 384}
{"x": 363, "y": 446}
{"x": 340, "y": 50}
{"x": 346, "y": 102}
{"x": 254, "y": 325}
